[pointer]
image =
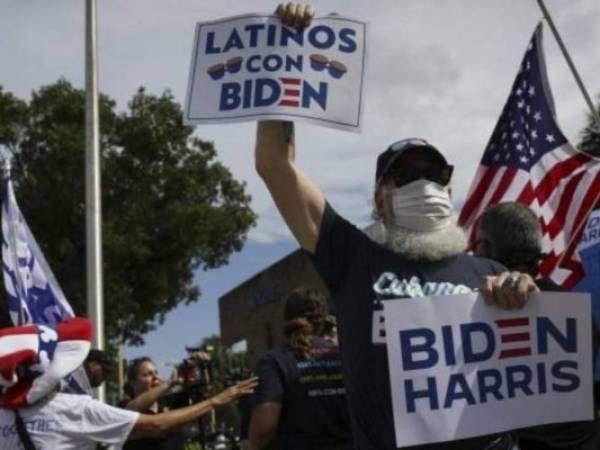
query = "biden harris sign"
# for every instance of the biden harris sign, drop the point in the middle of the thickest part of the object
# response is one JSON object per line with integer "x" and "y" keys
{"x": 460, "y": 368}
{"x": 253, "y": 67}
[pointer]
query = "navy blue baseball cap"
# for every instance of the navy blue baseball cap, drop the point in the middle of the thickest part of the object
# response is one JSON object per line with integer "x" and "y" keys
{"x": 387, "y": 158}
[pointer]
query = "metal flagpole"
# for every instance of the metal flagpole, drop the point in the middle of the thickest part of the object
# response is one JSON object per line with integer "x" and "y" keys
{"x": 93, "y": 206}
{"x": 582, "y": 88}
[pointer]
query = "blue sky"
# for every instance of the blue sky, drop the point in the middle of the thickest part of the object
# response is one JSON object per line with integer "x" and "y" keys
{"x": 440, "y": 70}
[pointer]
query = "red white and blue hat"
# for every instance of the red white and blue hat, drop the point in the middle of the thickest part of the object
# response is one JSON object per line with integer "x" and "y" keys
{"x": 34, "y": 358}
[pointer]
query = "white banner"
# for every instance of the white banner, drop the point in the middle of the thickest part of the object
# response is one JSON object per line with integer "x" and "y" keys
{"x": 460, "y": 368}
{"x": 252, "y": 67}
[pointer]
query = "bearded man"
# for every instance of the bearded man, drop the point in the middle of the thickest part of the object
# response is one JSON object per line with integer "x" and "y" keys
{"x": 421, "y": 253}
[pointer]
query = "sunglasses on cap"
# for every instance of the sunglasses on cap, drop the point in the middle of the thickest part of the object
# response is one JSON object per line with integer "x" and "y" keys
{"x": 402, "y": 175}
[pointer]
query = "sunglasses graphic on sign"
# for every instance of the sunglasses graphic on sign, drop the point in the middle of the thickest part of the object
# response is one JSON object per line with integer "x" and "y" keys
{"x": 320, "y": 62}
{"x": 232, "y": 65}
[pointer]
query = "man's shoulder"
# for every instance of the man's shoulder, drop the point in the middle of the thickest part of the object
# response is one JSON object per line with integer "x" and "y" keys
{"x": 482, "y": 265}
{"x": 64, "y": 401}
{"x": 278, "y": 355}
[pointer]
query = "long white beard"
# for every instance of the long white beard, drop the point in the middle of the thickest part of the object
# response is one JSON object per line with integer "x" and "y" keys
{"x": 419, "y": 245}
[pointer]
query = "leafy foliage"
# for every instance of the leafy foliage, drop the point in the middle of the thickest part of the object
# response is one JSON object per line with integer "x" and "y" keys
{"x": 169, "y": 207}
{"x": 590, "y": 136}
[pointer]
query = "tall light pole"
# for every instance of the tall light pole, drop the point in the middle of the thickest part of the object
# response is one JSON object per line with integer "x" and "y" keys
{"x": 93, "y": 203}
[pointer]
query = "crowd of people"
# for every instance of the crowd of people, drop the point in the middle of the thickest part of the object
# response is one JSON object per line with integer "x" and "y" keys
{"x": 323, "y": 390}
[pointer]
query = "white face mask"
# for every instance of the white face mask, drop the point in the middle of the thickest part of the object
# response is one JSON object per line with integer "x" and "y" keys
{"x": 422, "y": 205}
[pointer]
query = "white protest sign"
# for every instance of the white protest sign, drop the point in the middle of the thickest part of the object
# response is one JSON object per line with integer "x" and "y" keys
{"x": 460, "y": 368}
{"x": 252, "y": 67}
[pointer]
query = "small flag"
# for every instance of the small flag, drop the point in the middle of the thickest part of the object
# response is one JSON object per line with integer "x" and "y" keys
{"x": 33, "y": 294}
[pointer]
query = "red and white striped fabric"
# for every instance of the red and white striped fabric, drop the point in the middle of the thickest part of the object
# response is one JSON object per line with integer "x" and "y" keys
{"x": 529, "y": 160}
{"x": 35, "y": 358}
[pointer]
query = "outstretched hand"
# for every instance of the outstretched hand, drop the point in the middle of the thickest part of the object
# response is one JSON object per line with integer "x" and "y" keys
{"x": 234, "y": 392}
{"x": 509, "y": 290}
{"x": 295, "y": 15}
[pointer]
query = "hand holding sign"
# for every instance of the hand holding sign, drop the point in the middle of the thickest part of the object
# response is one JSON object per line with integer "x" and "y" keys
{"x": 510, "y": 290}
{"x": 295, "y": 14}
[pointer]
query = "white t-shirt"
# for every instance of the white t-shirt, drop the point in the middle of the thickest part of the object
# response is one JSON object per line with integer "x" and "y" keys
{"x": 68, "y": 422}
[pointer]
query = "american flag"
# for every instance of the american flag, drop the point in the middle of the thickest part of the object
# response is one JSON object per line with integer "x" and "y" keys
{"x": 529, "y": 160}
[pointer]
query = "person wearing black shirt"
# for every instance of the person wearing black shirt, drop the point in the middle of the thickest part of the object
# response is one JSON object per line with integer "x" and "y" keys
{"x": 300, "y": 402}
{"x": 510, "y": 233}
{"x": 145, "y": 390}
{"x": 420, "y": 253}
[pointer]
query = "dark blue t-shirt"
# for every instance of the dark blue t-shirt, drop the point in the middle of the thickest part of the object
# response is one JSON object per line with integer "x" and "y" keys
{"x": 311, "y": 392}
{"x": 361, "y": 275}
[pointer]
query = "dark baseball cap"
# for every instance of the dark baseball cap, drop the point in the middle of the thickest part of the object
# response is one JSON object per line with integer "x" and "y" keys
{"x": 387, "y": 158}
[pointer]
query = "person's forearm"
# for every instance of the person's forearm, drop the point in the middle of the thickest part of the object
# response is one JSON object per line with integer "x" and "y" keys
{"x": 298, "y": 199}
{"x": 178, "y": 417}
{"x": 159, "y": 424}
{"x": 143, "y": 401}
{"x": 274, "y": 146}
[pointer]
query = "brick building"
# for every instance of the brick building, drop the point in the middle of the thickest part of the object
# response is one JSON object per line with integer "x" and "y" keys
{"x": 253, "y": 311}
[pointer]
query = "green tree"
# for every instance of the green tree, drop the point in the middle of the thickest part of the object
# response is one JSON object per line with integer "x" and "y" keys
{"x": 169, "y": 207}
{"x": 590, "y": 139}
{"x": 590, "y": 136}
{"x": 226, "y": 368}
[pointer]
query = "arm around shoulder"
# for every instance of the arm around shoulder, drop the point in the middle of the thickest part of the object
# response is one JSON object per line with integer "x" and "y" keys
{"x": 298, "y": 199}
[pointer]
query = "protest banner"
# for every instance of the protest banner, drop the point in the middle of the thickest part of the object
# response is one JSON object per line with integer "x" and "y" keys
{"x": 460, "y": 368}
{"x": 589, "y": 253}
{"x": 591, "y": 233}
{"x": 252, "y": 67}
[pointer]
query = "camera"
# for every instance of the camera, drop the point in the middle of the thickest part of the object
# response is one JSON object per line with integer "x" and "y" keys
{"x": 196, "y": 373}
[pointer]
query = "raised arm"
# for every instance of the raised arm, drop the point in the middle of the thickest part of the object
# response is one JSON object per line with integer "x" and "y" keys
{"x": 298, "y": 199}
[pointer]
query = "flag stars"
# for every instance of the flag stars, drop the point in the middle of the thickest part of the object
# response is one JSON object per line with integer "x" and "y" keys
{"x": 537, "y": 116}
{"x": 524, "y": 159}
{"x": 519, "y": 91}
{"x": 534, "y": 134}
{"x": 521, "y": 104}
{"x": 531, "y": 91}
{"x": 515, "y": 135}
{"x": 550, "y": 138}
{"x": 520, "y": 147}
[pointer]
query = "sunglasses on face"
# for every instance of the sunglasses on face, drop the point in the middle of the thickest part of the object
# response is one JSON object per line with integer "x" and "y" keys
{"x": 403, "y": 175}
